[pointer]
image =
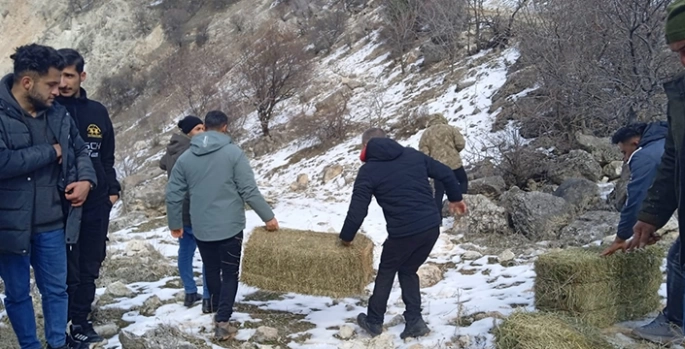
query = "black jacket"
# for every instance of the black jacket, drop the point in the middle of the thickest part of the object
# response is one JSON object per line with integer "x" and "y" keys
{"x": 178, "y": 144}
{"x": 398, "y": 178}
{"x": 19, "y": 159}
{"x": 95, "y": 127}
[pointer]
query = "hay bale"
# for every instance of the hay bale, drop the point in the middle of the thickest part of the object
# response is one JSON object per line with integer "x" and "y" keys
{"x": 599, "y": 290}
{"x": 307, "y": 262}
{"x": 523, "y": 330}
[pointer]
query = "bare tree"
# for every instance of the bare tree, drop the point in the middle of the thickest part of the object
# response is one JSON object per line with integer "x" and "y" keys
{"x": 446, "y": 20}
{"x": 173, "y": 21}
{"x": 274, "y": 66}
{"x": 327, "y": 28}
{"x": 399, "y": 27}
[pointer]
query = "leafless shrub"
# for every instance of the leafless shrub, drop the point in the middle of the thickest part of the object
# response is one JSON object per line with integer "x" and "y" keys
{"x": 446, "y": 20}
{"x": 202, "y": 33}
{"x": 330, "y": 125}
{"x": 273, "y": 68}
{"x": 411, "y": 123}
{"x": 327, "y": 28}
{"x": 173, "y": 21}
{"x": 121, "y": 90}
{"x": 399, "y": 27}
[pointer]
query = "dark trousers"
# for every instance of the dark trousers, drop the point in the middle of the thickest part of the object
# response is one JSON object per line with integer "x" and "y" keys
{"x": 84, "y": 260}
{"x": 221, "y": 260}
{"x": 463, "y": 180}
{"x": 675, "y": 285}
{"x": 403, "y": 257}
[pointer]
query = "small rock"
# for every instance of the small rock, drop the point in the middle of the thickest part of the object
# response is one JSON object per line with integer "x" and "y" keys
{"x": 463, "y": 341}
{"x": 350, "y": 307}
{"x": 613, "y": 170}
{"x": 118, "y": 289}
{"x": 180, "y": 296}
{"x": 135, "y": 247}
{"x": 249, "y": 345}
{"x": 107, "y": 330}
{"x": 608, "y": 240}
{"x": 150, "y": 306}
{"x": 395, "y": 321}
{"x": 331, "y": 172}
{"x": 346, "y": 332}
{"x": 351, "y": 83}
{"x": 129, "y": 340}
{"x": 265, "y": 334}
{"x": 429, "y": 275}
{"x": 471, "y": 255}
{"x": 417, "y": 346}
{"x": 506, "y": 258}
{"x": 384, "y": 341}
{"x": 302, "y": 182}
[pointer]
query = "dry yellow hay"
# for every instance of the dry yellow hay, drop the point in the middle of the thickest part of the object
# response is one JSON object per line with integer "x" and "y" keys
{"x": 307, "y": 262}
{"x": 599, "y": 290}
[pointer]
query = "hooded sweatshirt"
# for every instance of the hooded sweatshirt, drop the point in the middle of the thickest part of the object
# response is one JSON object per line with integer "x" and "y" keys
{"x": 217, "y": 175}
{"x": 398, "y": 178}
{"x": 643, "y": 164}
{"x": 443, "y": 142}
{"x": 178, "y": 144}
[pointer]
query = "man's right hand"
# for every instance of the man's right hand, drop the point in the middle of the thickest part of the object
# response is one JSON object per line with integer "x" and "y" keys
{"x": 177, "y": 233}
{"x": 458, "y": 207}
{"x": 272, "y": 225}
{"x": 643, "y": 234}
{"x": 618, "y": 244}
{"x": 58, "y": 150}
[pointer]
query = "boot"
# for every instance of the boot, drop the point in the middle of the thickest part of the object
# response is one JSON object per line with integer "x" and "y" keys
{"x": 191, "y": 298}
{"x": 207, "y": 307}
{"x": 373, "y": 329}
{"x": 416, "y": 328}
{"x": 224, "y": 331}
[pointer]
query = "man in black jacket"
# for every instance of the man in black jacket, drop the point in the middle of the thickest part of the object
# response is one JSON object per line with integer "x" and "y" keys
{"x": 45, "y": 177}
{"x": 398, "y": 178}
{"x": 86, "y": 257}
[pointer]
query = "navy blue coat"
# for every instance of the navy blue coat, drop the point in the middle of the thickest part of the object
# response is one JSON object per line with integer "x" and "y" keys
{"x": 19, "y": 158}
{"x": 643, "y": 166}
{"x": 398, "y": 178}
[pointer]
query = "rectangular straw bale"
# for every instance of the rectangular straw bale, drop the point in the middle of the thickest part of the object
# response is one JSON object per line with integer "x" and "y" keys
{"x": 524, "y": 330}
{"x": 307, "y": 262}
{"x": 599, "y": 290}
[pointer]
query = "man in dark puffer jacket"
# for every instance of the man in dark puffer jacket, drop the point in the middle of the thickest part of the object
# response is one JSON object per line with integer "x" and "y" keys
{"x": 398, "y": 178}
{"x": 45, "y": 177}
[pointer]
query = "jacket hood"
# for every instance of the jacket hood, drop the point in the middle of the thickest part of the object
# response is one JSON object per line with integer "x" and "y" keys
{"x": 653, "y": 132}
{"x": 437, "y": 119}
{"x": 82, "y": 98}
{"x": 178, "y": 144}
{"x": 6, "y": 93}
{"x": 209, "y": 142}
{"x": 383, "y": 149}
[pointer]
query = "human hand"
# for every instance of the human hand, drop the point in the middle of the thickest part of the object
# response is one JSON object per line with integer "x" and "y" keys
{"x": 644, "y": 234}
{"x": 618, "y": 244}
{"x": 272, "y": 225}
{"x": 77, "y": 193}
{"x": 345, "y": 243}
{"x": 58, "y": 150}
{"x": 458, "y": 207}
{"x": 177, "y": 233}
{"x": 113, "y": 199}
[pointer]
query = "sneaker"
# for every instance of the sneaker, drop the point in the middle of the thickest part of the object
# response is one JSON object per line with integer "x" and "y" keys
{"x": 373, "y": 329}
{"x": 660, "y": 331}
{"x": 191, "y": 298}
{"x": 85, "y": 334}
{"x": 224, "y": 331}
{"x": 207, "y": 307}
{"x": 71, "y": 344}
{"x": 415, "y": 329}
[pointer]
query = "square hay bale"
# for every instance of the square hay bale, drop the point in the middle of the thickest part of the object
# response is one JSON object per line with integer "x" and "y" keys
{"x": 523, "y": 330}
{"x": 599, "y": 290}
{"x": 307, "y": 262}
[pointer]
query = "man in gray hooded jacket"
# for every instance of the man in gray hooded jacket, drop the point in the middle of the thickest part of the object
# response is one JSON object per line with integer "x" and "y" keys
{"x": 217, "y": 175}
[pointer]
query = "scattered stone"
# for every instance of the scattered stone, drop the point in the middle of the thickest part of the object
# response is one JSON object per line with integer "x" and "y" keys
{"x": 575, "y": 164}
{"x": 350, "y": 307}
{"x": 483, "y": 217}
{"x": 395, "y": 321}
{"x": 107, "y": 330}
{"x": 346, "y": 332}
{"x": 430, "y": 275}
{"x": 330, "y": 172}
{"x": 506, "y": 258}
{"x": 613, "y": 170}
{"x": 351, "y": 83}
{"x": 536, "y": 215}
{"x": 162, "y": 337}
{"x": 136, "y": 247}
{"x": 601, "y": 148}
{"x": 301, "y": 183}
{"x": 265, "y": 334}
{"x": 471, "y": 255}
{"x": 463, "y": 341}
{"x": 118, "y": 289}
{"x": 491, "y": 187}
{"x": 150, "y": 306}
{"x": 579, "y": 192}
{"x": 591, "y": 226}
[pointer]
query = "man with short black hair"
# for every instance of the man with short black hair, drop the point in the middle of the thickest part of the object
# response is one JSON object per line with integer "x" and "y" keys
{"x": 45, "y": 178}
{"x": 217, "y": 175}
{"x": 398, "y": 178}
{"x": 86, "y": 257}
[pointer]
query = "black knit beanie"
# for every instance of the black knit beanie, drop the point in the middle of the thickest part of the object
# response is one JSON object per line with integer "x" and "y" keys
{"x": 188, "y": 123}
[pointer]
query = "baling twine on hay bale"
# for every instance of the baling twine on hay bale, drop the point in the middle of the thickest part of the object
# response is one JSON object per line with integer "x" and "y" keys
{"x": 600, "y": 291}
{"x": 523, "y": 330}
{"x": 307, "y": 262}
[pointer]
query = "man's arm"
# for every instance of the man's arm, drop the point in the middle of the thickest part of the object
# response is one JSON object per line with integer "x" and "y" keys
{"x": 459, "y": 140}
{"x": 661, "y": 202}
{"x": 359, "y": 206}
{"x": 108, "y": 158}
{"x": 84, "y": 166}
{"x": 176, "y": 190}
{"x": 441, "y": 172}
{"x": 14, "y": 163}
{"x": 248, "y": 190}
{"x": 642, "y": 172}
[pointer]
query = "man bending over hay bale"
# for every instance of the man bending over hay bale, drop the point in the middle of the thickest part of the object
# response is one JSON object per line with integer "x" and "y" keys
{"x": 398, "y": 178}
{"x": 218, "y": 177}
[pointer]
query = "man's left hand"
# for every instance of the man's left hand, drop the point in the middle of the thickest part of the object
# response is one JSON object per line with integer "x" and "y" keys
{"x": 618, "y": 244}
{"x": 77, "y": 193}
{"x": 346, "y": 243}
{"x": 113, "y": 199}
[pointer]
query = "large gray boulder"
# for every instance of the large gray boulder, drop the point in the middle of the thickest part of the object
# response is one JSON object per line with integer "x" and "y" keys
{"x": 575, "y": 164}
{"x": 581, "y": 193}
{"x": 601, "y": 148}
{"x": 491, "y": 187}
{"x": 484, "y": 217}
{"x": 591, "y": 226}
{"x": 537, "y": 215}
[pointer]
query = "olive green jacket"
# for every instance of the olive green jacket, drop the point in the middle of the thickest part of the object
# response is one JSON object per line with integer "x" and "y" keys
{"x": 443, "y": 142}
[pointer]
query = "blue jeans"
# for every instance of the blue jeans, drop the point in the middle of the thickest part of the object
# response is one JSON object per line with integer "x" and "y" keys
{"x": 675, "y": 290}
{"x": 49, "y": 260}
{"x": 186, "y": 252}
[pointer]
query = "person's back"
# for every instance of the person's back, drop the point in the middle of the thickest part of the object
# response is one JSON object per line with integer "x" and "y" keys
{"x": 443, "y": 142}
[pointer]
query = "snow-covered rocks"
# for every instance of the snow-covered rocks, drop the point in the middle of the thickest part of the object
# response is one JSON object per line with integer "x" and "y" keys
{"x": 330, "y": 172}
{"x": 471, "y": 255}
{"x": 346, "y": 332}
{"x": 150, "y": 306}
{"x": 118, "y": 289}
{"x": 429, "y": 275}
{"x": 265, "y": 334}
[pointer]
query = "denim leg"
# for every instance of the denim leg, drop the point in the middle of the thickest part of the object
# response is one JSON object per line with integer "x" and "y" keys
{"x": 186, "y": 252}
{"x": 15, "y": 271}
{"x": 674, "y": 285}
{"x": 49, "y": 261}
{"x": 205, "y": 289}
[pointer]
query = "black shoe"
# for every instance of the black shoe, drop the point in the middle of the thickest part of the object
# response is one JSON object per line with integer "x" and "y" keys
{"x": 373, "y": 329}
{"x": 85, "y": 334}
{"x": 415, "y": 329}
{"x": 191, "y": 298}
{"x": 207, "y": 307}
{"x": 71, "y": 344}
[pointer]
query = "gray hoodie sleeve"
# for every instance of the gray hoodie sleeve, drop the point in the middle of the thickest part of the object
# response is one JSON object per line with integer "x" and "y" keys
{"x": 247, "y": 188}
{"x": 175, "y": 193}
